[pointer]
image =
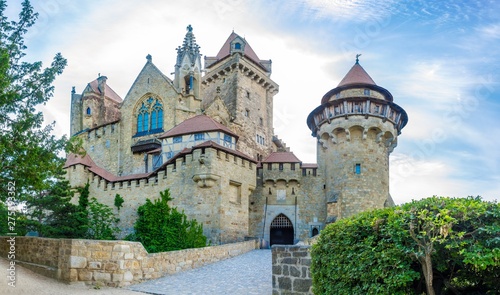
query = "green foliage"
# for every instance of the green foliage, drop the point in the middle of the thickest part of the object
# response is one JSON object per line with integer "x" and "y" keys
{"x": 359, "y": 255}
{"x": 28, "y": 150}
{"x": 118, "y": 201}
{"x": 53, "y": 215}
{"x": 384, "y": 251}
{"x": 102, "y": 222}
{"x": 162, "y": 228}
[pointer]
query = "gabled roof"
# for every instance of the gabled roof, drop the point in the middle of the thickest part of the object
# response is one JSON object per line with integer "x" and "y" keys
{"x": 281, "y": 157}
{"x": 248, "y": 52}
{"x": 73, "y": 159}
{"x": 197, "y": 124}
{"x": 149, "y": 65}
{"x": 356, "y": 75}
{"x": 109, "y": 93}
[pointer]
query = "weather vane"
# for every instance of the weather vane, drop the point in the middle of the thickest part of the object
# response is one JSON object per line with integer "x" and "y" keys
{"x": 357, "y": 57}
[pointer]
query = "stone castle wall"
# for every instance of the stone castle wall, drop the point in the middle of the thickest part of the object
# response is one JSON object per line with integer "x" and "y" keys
{"x": 112, "y": 263}
{"x": 200, "y": 184}
{"x": 303, "y": 201}
{"x": 343, "y": 144}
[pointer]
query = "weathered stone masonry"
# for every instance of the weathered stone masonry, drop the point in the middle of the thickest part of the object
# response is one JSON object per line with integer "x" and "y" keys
{"x": 112, "y": 263}
{"x": 291, "y": 270}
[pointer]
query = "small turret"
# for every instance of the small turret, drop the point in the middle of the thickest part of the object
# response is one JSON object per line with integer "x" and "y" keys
{"x": 188, "y": 66}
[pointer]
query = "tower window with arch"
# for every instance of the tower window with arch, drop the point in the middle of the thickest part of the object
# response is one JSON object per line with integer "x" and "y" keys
{"x": 149, "y": 117}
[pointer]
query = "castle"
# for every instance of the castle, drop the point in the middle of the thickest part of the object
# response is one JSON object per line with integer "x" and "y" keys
{"x": 207, "y": 135}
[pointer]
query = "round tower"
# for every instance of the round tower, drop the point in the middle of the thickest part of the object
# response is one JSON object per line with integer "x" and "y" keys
{"x": 357, "y": 126}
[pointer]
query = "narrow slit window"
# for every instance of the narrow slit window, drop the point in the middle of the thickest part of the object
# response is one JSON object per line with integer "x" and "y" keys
{"x": 357, "y": 168}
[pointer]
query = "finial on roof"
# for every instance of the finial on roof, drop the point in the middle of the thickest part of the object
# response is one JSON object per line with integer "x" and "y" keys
{"x": 357, "y": 57}
{"x": 189, "y": 28}
{"x": 149, "y": 57}
{"x": 98, "y": 75}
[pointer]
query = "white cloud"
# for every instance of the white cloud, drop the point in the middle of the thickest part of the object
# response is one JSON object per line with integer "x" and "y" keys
{"x": 490, "y": 31}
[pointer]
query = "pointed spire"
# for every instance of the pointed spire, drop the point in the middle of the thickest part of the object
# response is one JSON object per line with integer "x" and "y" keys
{"x": 189, "y": 47}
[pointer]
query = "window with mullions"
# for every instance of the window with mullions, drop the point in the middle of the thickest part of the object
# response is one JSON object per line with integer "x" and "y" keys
{"x": 150, "y": 117}
{"x": 199, "y": 136}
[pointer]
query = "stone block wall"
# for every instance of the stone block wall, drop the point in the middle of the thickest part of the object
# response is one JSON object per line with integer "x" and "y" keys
{"x": 112, "y": 263}
{"x": 291, "y": 270}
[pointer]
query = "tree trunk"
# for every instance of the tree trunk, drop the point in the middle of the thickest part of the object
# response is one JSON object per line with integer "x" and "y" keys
{"x": 428, "y": 275}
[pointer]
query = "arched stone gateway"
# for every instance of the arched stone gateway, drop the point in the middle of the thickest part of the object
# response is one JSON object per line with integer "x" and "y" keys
{"x": 281, "y": 232}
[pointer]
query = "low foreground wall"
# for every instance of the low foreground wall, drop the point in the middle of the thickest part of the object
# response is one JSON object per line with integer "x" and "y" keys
{"x": 111, "y": 263}
{"x": 291, "y": 270}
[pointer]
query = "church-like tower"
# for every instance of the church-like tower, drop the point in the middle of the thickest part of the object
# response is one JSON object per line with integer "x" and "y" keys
{"x": 357, "y": 126}
{"x": 188, "y": 66}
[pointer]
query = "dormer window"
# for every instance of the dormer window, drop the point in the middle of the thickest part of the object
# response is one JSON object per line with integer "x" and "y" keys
{"x": 237, "y": 46}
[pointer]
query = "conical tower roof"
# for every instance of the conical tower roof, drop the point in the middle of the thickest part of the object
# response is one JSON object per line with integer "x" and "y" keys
{"x": 356, "y": 75}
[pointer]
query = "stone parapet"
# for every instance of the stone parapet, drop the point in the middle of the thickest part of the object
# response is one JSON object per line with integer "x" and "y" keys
{"x": 112, "y": 263}
{"x": 291, "y": 270}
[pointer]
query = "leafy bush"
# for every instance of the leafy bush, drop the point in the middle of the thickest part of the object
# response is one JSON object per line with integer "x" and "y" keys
{"x": 102, "y": 221}
{"x": 162, "y": 228}
{"x": 439, "y": 245}
{"x": 119, "y": 201}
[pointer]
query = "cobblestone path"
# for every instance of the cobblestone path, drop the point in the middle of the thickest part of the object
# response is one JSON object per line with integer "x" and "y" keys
{"x": 250, "y": 273}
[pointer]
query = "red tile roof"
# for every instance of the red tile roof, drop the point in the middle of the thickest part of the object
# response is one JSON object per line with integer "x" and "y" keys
{"x": 197, "y": 124}
{"x": 356, "y": 75}
{"x": 109, "y": 93}
{"x": 225, "y": 51}
{"x": 225, "y": 149}
{"x": 73, "y": 159}
{"x": 281, "y": 157}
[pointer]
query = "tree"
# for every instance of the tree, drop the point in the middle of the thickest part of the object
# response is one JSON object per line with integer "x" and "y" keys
{"x": 101, "y": 221}
{"x": 29, "y": 153}
{"x": 440, "y": 245}
{"x": 52, "y": 214}
{"x": 163, "y": 228}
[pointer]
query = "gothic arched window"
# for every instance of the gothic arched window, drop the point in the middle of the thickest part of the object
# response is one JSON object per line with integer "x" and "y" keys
{"x": 157, "y": 116}
{"x": 150, "y": 117}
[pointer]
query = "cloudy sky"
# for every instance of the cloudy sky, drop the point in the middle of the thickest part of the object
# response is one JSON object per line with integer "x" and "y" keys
{"x": 439, "y": 59}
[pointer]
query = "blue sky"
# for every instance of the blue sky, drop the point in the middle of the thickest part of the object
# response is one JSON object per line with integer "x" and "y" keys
{"x": 439, "y": 59}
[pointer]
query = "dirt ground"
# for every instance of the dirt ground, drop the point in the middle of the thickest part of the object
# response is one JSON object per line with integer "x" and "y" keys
{"x": 31, "y": 283}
